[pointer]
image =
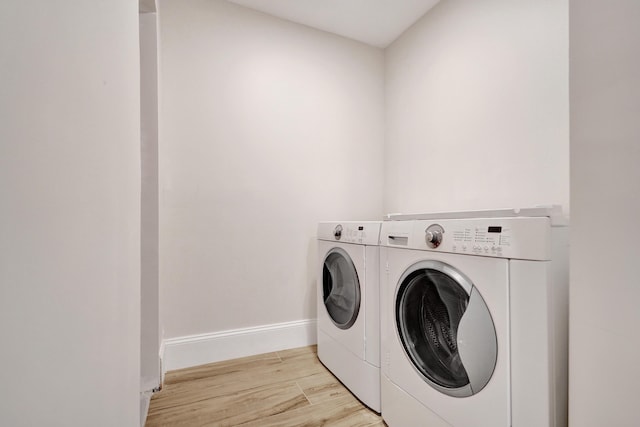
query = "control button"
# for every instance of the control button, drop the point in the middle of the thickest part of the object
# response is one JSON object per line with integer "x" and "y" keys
{"x": 486, "y": 248}
{"x": 464, "y": 247}
{"x": 493, "y": 248}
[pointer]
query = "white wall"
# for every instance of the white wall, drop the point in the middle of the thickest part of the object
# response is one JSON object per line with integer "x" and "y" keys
{"x": 477, "y": 108}
{"x": 70, "y": 215}
{"x": 267, "y": 127}
{"x": 605, "y": 204}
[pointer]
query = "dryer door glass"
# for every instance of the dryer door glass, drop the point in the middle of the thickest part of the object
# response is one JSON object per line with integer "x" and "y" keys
{"x": 432, "y": 302}
{"x": 340, "y": 288}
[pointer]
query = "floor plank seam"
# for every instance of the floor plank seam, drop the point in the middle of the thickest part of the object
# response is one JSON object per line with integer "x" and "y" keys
{"x": 304, "y": 394}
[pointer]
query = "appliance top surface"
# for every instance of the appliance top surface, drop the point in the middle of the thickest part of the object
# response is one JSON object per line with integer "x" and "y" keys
{"x": 510, "y": 237}
{"x": 350, "y": 222}
{"x": 554, "y": 212}
{"x": 355, "y": 232}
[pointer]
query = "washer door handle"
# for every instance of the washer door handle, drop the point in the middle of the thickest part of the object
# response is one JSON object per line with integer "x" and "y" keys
{"x": 477, "y": 342}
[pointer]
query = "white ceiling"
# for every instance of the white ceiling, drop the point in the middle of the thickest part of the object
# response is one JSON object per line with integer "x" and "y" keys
{"x": 375, "y": 22}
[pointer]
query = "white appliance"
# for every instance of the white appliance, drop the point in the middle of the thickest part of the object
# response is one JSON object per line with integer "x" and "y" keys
{"x": 349, "y": 306}
{"x": 474, "y": 319}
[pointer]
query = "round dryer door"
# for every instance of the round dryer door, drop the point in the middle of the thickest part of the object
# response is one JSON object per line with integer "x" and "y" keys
{"x": 446, "y": 329}
{"x": 340, "y": 288}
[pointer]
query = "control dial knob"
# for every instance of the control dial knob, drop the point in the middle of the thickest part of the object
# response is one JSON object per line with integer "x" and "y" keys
{"x": 337, "y": 232}
{"x": 433, "y": 235}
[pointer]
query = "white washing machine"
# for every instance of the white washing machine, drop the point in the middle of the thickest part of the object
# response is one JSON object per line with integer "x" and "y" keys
{"x": 474, "y": 319}
{"x": 349, "y": 306}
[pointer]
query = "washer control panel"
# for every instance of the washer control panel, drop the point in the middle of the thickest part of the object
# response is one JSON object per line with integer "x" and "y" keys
{"x": 481, "y": 240}
{"x": 514, "y": 238}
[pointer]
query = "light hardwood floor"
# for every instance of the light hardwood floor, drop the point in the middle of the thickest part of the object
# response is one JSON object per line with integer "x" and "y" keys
{"x": 285, "y": 388}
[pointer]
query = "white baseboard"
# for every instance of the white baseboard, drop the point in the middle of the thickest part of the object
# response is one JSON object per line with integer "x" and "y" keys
{"x": 194, "y": 350}
{"x": 163, "y": 369}
{"x": 145, "y": 400}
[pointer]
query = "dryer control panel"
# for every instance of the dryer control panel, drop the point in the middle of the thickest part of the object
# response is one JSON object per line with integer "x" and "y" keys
{"x": 361, "y": 233}
{"x": 514, "y": 238}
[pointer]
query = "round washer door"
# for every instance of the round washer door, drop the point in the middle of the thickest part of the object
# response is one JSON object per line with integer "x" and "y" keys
{"x": 445, "y": 328}
{"x": 340, "y": 288}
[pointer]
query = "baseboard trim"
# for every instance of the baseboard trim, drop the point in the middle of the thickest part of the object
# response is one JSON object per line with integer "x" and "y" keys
{"x": 163, "y": 368}
{"x": 145, "y": 400}
{"x": 194, "y": 350}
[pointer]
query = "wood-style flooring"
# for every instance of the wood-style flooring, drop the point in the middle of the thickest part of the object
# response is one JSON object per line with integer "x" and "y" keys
{"x": 285, "y": 388}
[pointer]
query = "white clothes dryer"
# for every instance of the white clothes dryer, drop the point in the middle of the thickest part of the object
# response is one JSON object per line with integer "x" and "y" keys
{"x": 474, "y": 320}
{"x": 349, "y": 305}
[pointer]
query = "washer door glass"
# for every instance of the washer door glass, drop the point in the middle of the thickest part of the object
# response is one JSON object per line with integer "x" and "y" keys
{"x": 446, "y": 329}
{"x": 340, "y": 288}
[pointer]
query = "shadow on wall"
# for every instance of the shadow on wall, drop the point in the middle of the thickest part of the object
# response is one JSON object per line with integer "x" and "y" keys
{"x": 312, "y": 277}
